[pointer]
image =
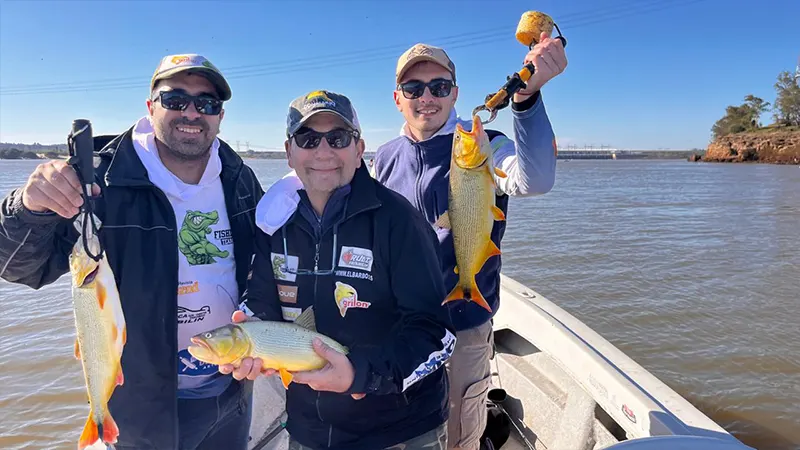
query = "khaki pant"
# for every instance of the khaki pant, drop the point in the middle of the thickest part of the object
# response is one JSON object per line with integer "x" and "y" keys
{"x": 435, "y": 439}
{"x": 469, "y": 372}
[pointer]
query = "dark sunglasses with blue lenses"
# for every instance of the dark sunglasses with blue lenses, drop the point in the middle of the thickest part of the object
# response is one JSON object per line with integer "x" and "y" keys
{"x": 178, "y": 101}
{"x": 337, "y": 138}
{"x": 439, "y": 87}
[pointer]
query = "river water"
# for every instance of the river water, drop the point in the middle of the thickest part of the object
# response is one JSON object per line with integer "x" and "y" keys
{"x": 692, "y": 269}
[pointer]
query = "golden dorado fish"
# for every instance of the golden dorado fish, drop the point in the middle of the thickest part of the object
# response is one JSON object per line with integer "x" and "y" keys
{"x": 101, "y": 333}
{"x": 284, "y": 346}
{"x": 472, "y": 211}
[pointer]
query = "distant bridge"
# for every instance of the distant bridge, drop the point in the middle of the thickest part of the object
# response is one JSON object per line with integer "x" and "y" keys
{"x": 616, "y": 153}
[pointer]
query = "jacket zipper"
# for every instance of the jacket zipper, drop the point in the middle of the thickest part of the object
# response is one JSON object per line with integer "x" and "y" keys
{"x": 419, "y": 177}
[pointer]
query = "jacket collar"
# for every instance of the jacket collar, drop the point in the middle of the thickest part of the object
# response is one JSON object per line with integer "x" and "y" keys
{"x": 126, "y": 169}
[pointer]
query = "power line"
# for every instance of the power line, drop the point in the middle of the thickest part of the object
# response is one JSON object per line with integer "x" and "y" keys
{"x": 461, "y": 40}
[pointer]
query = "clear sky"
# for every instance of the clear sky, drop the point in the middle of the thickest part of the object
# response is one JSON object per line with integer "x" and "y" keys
{"x": 642, "y": 74}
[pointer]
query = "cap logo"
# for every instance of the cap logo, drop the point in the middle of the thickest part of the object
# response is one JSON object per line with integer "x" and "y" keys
{"x": 179, "y": 59}
{"x": 419, "y": 51}
{"x": 318, "y": 99}
{"x": 316, "y": 94}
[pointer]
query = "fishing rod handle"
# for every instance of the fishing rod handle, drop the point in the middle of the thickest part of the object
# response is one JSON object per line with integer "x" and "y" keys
{"x": 83, "y": 144}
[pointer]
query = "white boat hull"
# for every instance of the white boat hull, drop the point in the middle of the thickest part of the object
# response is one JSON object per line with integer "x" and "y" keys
{"x": 567, "y": 388}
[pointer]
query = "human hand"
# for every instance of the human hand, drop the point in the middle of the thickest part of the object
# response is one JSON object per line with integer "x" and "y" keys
{"x": 249, "y": 368}
{"x": 549, "y": 59}
{"x": 337, "y": 375}
{"x": 54, "y": 186}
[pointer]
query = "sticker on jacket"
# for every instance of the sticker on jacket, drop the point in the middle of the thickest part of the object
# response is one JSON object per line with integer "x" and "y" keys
{"x": 347, "y": 297}
{"x": 290, "y": 313}
{"x": 356, "y": 258}
{"x": 278, "y": 269}
{"x": 287, "y": 294}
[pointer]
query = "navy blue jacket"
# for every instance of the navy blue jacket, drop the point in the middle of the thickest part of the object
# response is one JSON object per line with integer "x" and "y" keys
{"x": 383, "y": 301}
{"x": 420, "y": 172}
{"x": 139, "y": 236}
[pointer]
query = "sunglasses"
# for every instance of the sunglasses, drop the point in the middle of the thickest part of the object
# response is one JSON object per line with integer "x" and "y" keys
{"x": 337, "y": 138}
{"x": 178, "y": 101}
{"x": 439, "y": 87}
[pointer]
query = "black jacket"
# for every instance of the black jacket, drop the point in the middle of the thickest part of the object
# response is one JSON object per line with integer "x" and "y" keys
{"x": 383, "y": 302}
{"x": 139, "y": 236}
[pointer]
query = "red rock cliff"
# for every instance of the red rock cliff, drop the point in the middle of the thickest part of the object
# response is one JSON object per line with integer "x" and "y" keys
{"x": 775, "y": 147}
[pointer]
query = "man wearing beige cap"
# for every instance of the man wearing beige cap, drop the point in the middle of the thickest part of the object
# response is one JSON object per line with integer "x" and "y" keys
{"x": 177, "y": 211}
{"x": 426, "y": 94}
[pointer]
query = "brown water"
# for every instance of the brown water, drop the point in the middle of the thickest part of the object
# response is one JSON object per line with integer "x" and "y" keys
{"x": 691, "y": 269}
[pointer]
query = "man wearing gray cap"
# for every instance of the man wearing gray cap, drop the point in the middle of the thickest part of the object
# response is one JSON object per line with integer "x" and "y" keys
{"x": 177, "y": 211}
{"x": 368, "y": 264}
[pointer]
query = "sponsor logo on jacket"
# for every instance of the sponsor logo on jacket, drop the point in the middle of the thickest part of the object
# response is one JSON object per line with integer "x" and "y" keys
{"x": 347, "y": 297}
{"x": 356, "y": 258}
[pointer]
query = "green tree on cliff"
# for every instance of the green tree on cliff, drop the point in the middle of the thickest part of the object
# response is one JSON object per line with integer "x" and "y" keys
{"x": 787, "y": 102}
{"x": 744, "y": 117}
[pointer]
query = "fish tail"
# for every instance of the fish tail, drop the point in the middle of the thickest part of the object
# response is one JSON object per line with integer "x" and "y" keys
{"x": 474, "y": 294}
{"x": 456, "y": 294}
{"x": 90, "y": 434}
{"x": 109, "y": 429}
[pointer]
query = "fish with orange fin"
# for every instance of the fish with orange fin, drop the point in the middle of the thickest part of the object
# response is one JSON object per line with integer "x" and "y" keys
{"x": 101, "y": 332}
{"x": 472, "y": 210}
{"x": 283, "y": 346}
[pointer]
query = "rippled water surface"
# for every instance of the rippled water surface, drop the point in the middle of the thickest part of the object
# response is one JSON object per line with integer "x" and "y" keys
{"x": 691, "y": 269}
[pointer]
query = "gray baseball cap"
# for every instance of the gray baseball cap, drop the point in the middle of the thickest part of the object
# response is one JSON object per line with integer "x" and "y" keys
{"x": 174, "y": 64}
{"x": 305, "y": 106}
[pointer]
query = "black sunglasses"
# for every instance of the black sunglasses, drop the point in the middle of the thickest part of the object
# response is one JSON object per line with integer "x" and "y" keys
{"x": 439, "y": 87}
{"x": 337, "y": 138}
{"x": 178, "y": 101}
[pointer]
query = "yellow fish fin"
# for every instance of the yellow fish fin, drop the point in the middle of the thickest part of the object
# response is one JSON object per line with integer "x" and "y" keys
{"x": 101, "y": 294}
{"x": 120, "y": 377}
{"x": 307, "y": 319}
{"x": 488, "y": 251}
{"x": 456, "y": 294}
{"x": 500, "y": 173}
{"x": 77, "y": 349}
{"x": 476, "y": 296}
{"x": 286, "y": 377}
{"x": 89, "y": 435}
{"x": 497, "y": 213}
{"x": 455, "y": 270}
{"x": 443, "y": 221}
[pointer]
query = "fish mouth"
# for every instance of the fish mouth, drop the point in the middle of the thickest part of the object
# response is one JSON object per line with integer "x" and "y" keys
{"x": 201, "y": 350}
{"x": 90, "y": 277}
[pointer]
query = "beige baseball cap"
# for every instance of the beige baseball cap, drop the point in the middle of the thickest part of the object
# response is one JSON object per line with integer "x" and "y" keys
{"x": 423, "y": 52}
{"x": 174, "y": 64}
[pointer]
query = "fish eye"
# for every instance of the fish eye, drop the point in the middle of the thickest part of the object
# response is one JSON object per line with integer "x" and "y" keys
{"x": 207, "y": 335}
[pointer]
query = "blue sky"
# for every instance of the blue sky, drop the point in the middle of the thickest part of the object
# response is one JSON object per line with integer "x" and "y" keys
{"x": 642, "y": 74}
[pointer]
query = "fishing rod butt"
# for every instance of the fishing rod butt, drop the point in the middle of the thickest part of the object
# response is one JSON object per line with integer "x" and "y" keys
{"x": 81, "y": 149}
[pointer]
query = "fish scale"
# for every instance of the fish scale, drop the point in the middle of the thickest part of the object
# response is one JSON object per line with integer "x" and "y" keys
{"x": 285, "y": 345}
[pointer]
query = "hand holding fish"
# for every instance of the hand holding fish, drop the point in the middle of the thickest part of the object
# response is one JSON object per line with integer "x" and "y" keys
{"x": 549, "y": 58}
{"x": 54, "y": 186}
{"x": 337, "y": 375}
{"x": 249, "y": 368}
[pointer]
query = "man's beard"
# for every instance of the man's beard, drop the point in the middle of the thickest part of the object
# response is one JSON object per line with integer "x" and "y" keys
{"x": 184, "y": 147}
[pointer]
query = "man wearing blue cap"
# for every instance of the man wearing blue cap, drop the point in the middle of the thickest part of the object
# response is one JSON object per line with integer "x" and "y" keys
{"x": 368, "y": 264}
